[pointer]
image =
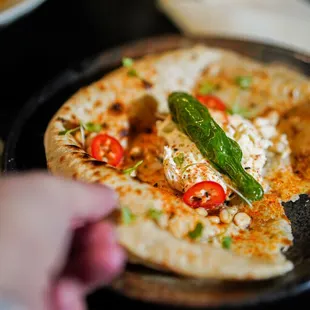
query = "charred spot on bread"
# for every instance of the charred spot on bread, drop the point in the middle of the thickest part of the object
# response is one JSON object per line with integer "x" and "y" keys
{"x": 86, "y": 156}
{"x": 73, "y": 147}
{"x": 146, "y": 84}
{"x": 116, "y": 108}
{"x": 148, "y": 130}
{"x": 105, "y": 126}
{"x": 124, "y": 132}
{"x": 97, "y": 163}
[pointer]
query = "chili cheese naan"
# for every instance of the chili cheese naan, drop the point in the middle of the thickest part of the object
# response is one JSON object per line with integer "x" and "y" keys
{"x": 190, "y": 140}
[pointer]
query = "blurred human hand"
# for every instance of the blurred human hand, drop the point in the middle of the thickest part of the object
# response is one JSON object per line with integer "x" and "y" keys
{"x": 46, "y": 260}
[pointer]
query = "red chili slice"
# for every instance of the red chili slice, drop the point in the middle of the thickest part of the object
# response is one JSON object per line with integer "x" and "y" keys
{"x": 206, "y": 194}
{"x": 212, "y": 102}
{"x": 108, "y": 149}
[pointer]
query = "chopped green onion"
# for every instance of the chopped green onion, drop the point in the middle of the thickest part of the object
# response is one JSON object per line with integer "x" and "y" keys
{"x": 244, "y": 82}
{"x": 132, "y": 169}
{"x": 236, "y": 109}
{"x": 197, "y": 232}
{"x": 92, "y": 127}
{"x": 206, "y": 88}
{"x": 68, "y": 131}
{"x": 127, "y": 216}
{"x": 154, "y": 213}
{"x": 127, "y": 62}
{"x": 179, "y": 160}
{"x": 226, "y": 242}
{"x": 132, "y": 72}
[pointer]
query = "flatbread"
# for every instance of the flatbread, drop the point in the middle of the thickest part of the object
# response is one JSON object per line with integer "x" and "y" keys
{"x": 119, "y": 100}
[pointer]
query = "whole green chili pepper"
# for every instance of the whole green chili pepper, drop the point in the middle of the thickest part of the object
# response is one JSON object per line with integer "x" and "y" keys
{"x": 194, "y": 120}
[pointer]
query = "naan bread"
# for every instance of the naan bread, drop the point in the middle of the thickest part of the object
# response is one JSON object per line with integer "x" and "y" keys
{"x": 118, "y": 100}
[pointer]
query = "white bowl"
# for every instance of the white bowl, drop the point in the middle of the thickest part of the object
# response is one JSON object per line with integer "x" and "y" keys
{"x": 285, "y": 23}
{"x": 18, "y": 10}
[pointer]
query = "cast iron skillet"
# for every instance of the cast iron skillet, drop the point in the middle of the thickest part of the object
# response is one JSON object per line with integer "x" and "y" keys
{"x": 24, "y": 150}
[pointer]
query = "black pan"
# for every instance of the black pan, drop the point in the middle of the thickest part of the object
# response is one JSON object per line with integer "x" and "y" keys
{"x": 24, "y": 151}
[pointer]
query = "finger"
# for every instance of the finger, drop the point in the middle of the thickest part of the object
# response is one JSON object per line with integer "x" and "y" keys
{"x": 88, "y": 201}
{"x": 105, "y": 263}
{"x": 73, "y": 199}
{"x": 83, "y": 200}
{"x": 96, "y": 234}
{"x": 104, "y": 260}
{"x": 68, "y": 294}
{"x": 96, "y": 256}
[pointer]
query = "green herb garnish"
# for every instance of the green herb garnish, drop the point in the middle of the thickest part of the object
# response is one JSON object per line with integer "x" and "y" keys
{"x": 91, "y": 127}
{"x": 244, "y": 82}
{"x": 206, "y": 88}
{"x": 179, "y": 160}
{"x": 127, "y": 62}
{"x": 132, "y": 72}
{"x": 132, "y": 169}
{"x": 225, "y": 154}
{"x": 68, "y": 131}
{"x": 197, "y": 232}
{"x": 127, "y": 216}
{"x": 226, "y": 242}
{"x": 237, "y": 109}
{"x": 154, "y": 213}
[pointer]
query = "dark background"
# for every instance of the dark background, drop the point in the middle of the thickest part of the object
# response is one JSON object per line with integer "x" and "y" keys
{"x": 58, "y": 35}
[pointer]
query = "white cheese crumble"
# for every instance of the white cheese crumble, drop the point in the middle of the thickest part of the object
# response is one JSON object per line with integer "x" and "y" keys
{"x": 185, "y": 166}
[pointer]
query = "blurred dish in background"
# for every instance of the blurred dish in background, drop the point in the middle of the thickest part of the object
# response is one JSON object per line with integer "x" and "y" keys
{"x": 11, "y": 10}
{"x": 280, "y": 22}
